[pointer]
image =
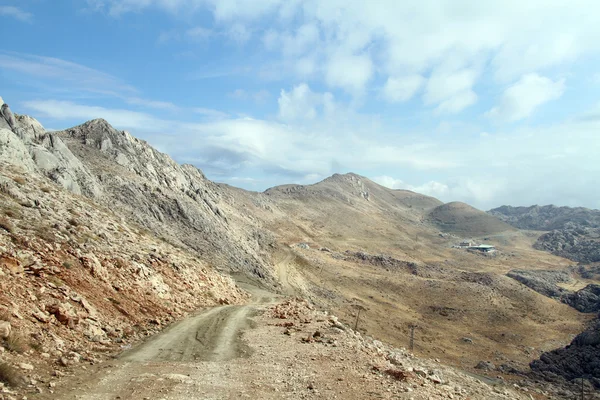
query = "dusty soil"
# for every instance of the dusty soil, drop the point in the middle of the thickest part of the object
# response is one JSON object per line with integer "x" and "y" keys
{"x": 286, "y": 350}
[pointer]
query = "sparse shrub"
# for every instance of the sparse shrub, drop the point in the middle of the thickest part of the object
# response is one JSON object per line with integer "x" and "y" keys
{"x": 19, "y": 179}
{"x": 56, "y": 281}
{"x": 12, "y": 212}
{"x": 37, "y": 346}
{"x": 10, "y": 375}
{"x": 5, "y": 315}
{"x": 6, "y": 225}
{"x": 45, "y": 233}
{"x": 15, "y": 343}
{"x": 19, "y": 240}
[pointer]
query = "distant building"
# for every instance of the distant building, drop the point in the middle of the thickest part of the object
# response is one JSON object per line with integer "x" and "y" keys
{"x": 467, "y": 244}
{"x": 484, "y": 248}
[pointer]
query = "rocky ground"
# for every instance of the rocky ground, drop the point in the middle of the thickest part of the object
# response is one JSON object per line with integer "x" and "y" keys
{"x": 294, "y": 352}
{"x": 78, "y": 282}
{"x": 579, "y": 359}
{"x": 577, "y": 244}
{"x": 585, "y": 300}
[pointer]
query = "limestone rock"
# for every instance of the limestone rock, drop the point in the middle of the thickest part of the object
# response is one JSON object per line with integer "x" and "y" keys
{"x": 5, "y": 329}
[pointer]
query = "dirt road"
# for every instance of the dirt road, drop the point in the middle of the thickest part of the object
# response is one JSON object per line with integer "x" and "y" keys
{"x": 198, "y": 345}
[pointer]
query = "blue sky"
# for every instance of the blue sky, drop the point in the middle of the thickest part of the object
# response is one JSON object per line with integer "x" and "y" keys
{"x": 484, "y": 102}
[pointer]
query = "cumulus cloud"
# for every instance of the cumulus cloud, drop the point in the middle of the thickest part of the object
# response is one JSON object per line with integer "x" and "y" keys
{"x": 301, "y": 103}
{"x": 467, "y": 189}
{"x": 349, "y": 72}
{"x": 521, "y": 99}
{"x": 15, "y": 12}
{"x": 457, "y": 102}
{"x": 398, "y": 89}
{"x": 341, "y": 42}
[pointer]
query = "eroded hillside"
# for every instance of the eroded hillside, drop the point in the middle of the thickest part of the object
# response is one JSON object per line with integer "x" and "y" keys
{"x": 78, "y": 282}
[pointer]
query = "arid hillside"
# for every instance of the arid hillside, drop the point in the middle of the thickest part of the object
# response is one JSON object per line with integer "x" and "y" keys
{"x": 105, "y": 240}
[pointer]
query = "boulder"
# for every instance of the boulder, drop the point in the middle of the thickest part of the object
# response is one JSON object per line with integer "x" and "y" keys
{"x": 485, "y": 365}
{"x": 64, "y": 314}
{"x": 5, "y": 329}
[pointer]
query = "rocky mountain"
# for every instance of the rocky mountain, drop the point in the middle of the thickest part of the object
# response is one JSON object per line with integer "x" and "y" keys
{"x": 577, "y": 244}
{"x": 575, "y": 232}
{"x": 547, "y": 218}
{"x": 176, "y": 202}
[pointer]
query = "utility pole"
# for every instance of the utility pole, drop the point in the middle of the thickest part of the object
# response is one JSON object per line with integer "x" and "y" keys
{"x": 412, "y": 337}
{"x": 359, "y": 308}
{"x": 356, "y": 322}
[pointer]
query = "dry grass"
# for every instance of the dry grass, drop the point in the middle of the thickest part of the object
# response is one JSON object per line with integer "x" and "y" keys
{"x": 46, "y": 233}
{"x": 15, "y": 343}
{"x": 12, "y": 212}
{"x": 9, "y": 375}
{"x": 5, "y": 315}
{"x": 7, "y": 225}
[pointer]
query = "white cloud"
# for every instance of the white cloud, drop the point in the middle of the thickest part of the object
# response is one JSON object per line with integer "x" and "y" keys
{"x": 15, "y": 12}
{"x": 210, "y": 113}
{"x": 389, "y": 182}
{"x": 65, "y": 110}
{"x": 303, "y": 104}
{"x": 457, "y": 103}
{"x": 402, "y": 88}
{"x": 199, "y": 33}
{"x": 466, "y": 189}
{"x": 239, "y": 33}
{"x": 349, "y": 72}
{"x": 521, "y": 99}
{"x": 259, "y": 96}
{"x": 64, "y": 71}
{"x": 160, "y": 105}
{"x": 451, "y": 89}
{"x": 349, "y": 43}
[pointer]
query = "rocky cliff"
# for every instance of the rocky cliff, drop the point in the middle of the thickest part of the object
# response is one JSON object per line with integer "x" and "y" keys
{"x": 579, "y": 244}
{"x": 175, "y": 202}
{"x": 547, "y": 218}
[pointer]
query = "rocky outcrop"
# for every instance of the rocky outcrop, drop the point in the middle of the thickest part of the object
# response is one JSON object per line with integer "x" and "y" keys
{"x": 79, "y": 282}
{"x": 543, "y": 282}
{"x": 547, "y": 218}
{"x": 586, "y": 300}
{"x": 580, "y": 359}
{"x": 176, "y": 202}
{"x": 35, "y": 150}
{"x": 578, "y": 244}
